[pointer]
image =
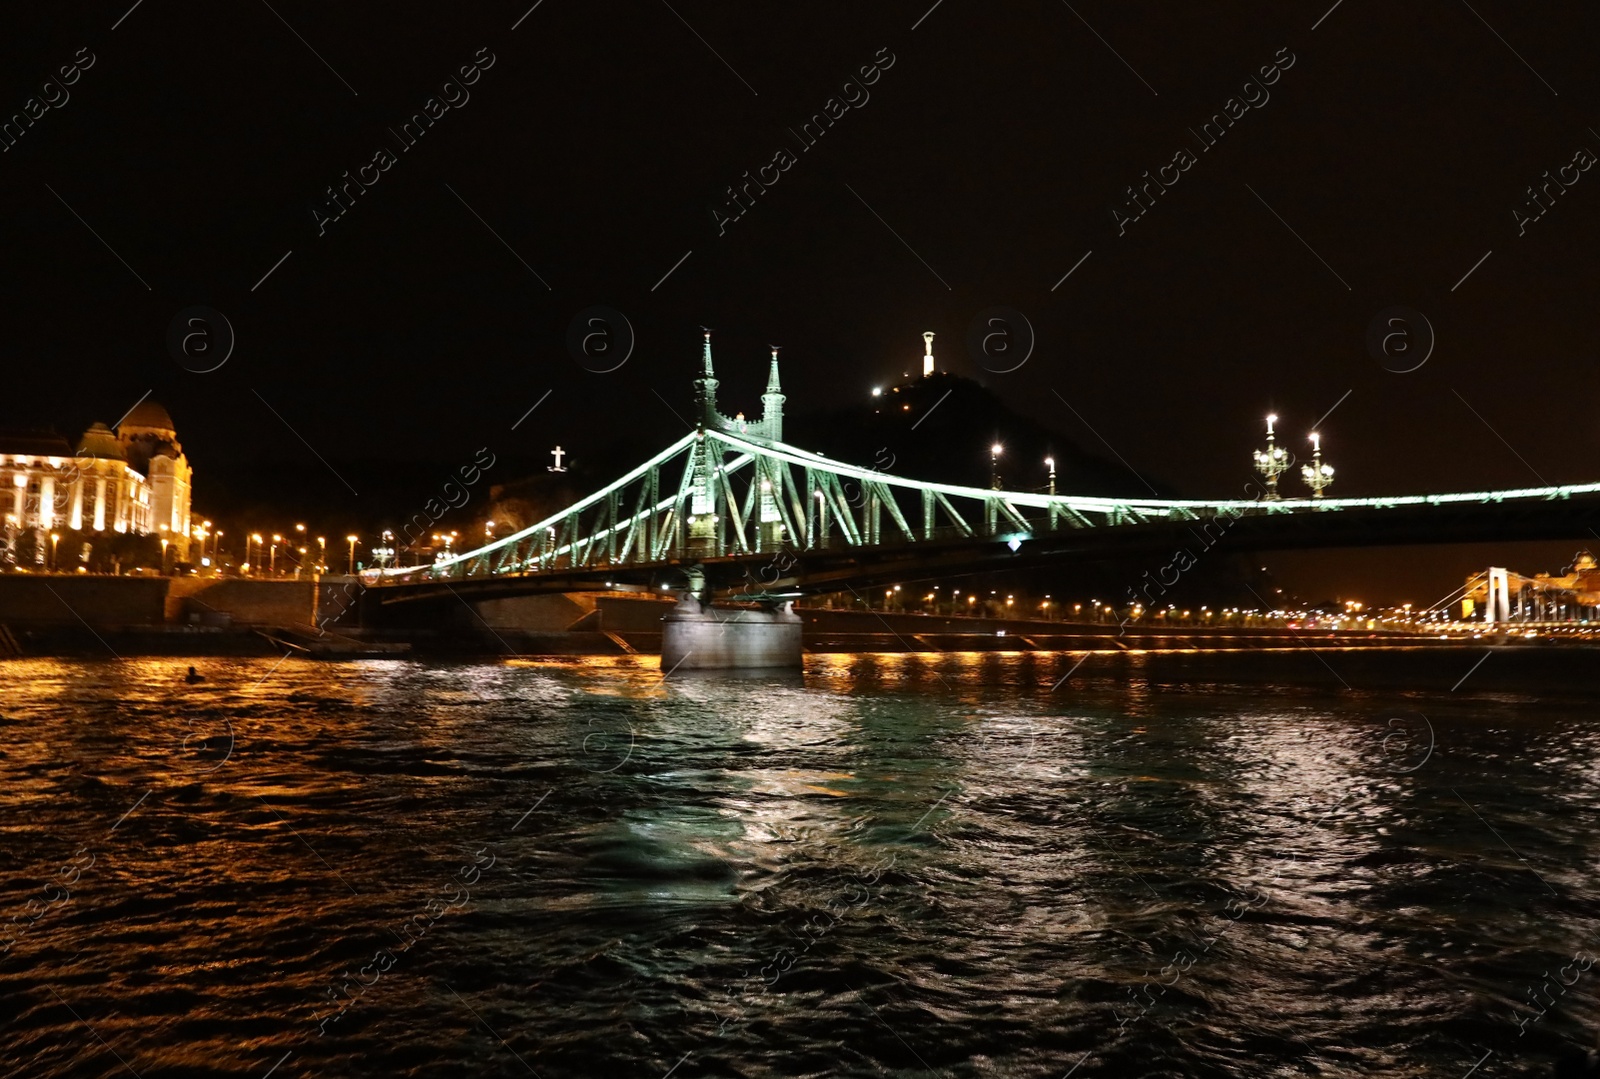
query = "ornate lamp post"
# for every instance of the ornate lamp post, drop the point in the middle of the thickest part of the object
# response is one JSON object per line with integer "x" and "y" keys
{"x": 1317, "y": 475}
{"x": 1271, "y": 462}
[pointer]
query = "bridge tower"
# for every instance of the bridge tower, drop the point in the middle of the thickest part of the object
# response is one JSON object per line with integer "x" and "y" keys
{"x": 1499, "y": 607}
{"x": 697, "y": 635}
{"x": 703, "y": 531}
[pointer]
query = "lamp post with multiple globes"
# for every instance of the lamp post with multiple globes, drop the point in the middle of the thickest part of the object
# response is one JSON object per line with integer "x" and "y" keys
{"x": 1317, "y": 475}
{"x": 1271, "y": 462}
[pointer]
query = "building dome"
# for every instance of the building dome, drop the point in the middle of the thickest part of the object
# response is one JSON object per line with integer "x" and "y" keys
{"x": 149, "y": 415}
{"x": 98, "y": 441}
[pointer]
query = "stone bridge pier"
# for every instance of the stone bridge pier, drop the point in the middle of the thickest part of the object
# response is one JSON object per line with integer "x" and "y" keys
{"x": 697, "y": 636}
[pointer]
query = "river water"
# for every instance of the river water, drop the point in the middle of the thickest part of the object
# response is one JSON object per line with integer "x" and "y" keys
{"x": 895, "y": 865}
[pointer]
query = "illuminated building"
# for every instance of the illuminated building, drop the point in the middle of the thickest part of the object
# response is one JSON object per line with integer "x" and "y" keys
{"x": 136, "y": 480}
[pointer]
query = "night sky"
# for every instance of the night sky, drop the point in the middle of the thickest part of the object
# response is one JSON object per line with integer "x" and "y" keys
{"x": 1390, "y": 150}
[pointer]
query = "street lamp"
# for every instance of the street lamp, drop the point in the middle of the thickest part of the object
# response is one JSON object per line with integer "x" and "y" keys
{"x": 272, "y": 567}
{"x": 322, "y": 554}
{"x": 1271, "y": 461}
{"x": 55, "y": 538}
{"x": 994, "y": 465}
{"x": 352, "y": 541}
{"x": 1050, "y": 463}
{"x": 256, "y": 536}
{"x": 164, "y": 542}
{"x": 1317, "y": 475}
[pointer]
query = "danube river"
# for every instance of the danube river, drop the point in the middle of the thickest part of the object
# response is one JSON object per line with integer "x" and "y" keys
{"x": 907, "y": 865}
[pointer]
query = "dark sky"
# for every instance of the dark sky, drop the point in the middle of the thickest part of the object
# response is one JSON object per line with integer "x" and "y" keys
{"x": 986, "y": 162}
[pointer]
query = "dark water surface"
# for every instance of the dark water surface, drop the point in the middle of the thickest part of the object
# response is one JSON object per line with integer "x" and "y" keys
{"x": 901, "y": 865}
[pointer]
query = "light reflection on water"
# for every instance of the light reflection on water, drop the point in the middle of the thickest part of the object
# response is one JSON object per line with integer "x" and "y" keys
{"x": 893, "y": 863}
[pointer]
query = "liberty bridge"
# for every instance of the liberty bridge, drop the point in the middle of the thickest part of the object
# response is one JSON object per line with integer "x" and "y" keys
{"x": 740, "y": 524}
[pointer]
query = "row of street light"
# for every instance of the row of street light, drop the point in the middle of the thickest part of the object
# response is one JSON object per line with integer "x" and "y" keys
{"x": 264, "y": 546}
{"x": 258, "y": 546}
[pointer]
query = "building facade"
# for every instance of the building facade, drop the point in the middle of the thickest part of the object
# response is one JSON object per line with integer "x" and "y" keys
{"x": 135, "y": 479}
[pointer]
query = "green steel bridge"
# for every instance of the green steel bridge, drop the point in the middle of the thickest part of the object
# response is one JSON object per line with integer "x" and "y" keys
{"x": 730, "y": 510}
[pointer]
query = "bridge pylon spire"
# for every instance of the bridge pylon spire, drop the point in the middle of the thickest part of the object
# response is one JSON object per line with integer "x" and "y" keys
{"x": 772, "y": 402}
{"x": 705, "y": 387}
